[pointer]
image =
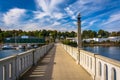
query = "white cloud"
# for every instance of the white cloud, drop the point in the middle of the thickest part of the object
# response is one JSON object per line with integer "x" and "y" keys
{"x": 30, "y": 27}
{"x": 113, "y": 22}
{"x": 113, "y": 26}
{"x": 75, "y": 23}
{"x": 85, "y": 7}
{"x": 1, "y": 19}
{"x": 61, "y": 15}
{"x": 70, "y": 12}
{"x": 83, "y": 22}
{"x": 48, "y": 6}
{"x": 58, "y": 15}
{"x": 13, "y": 16}
{"x": 92, "y": 22}
{"x": 54, "y": 3}
{"x": 113, "y": 18}
{"x": 48, "y": 13}
{"x": 40, "y": 15}
{"x": 42, "y": 4}
{"x": 56, "y": 23}
{"x": 50, "y": 9}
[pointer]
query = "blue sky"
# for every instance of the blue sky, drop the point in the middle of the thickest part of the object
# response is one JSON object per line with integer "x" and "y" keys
{"x": 59, "y": 14}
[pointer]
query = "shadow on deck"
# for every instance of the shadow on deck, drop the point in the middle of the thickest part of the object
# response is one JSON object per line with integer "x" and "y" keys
{"x": 43, "y": 70}
{"x": 56, "y": 65}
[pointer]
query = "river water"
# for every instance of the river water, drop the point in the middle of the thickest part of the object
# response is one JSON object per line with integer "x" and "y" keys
{"x": 108, "y": 51}
{"x": 6, "y": 53}
{"x": 111, "y": 52}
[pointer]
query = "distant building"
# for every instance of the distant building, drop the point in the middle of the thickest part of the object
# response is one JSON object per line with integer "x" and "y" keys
{"x": 103, "y": 39}
{"x": 72, "y": 39}
{"x": 24, "y": 39}
{"x": 117, "y": 38}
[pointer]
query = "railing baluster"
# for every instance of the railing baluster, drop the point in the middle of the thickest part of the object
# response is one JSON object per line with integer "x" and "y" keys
{"x": 90, "y": 62}
{"x": 12, "y": 67}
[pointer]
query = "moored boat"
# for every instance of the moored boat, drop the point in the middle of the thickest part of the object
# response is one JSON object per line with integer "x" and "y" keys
{"x": 7, "y": 47}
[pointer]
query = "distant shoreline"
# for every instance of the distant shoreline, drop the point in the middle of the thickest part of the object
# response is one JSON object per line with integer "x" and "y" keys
{"x": 102, "y": 44}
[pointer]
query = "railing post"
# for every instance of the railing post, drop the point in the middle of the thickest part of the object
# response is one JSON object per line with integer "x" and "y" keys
{"x": 20, "y": 63}
{"x": 34, "y": 61}
{"x": 95, "y": 68}
{"x": 78, "y": 57}
{"x": 17, "y": 68}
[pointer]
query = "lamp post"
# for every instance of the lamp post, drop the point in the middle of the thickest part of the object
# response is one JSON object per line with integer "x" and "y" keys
{"x": 50, "y": 36}
{"x": 79, "y": 37}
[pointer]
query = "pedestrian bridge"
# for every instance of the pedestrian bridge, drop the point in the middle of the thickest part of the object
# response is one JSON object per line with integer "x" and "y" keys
{"x": 58, "y": 62}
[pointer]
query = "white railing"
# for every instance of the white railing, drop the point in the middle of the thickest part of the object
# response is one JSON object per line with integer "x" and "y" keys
{"x": 99, "y": 67}
{"x": 13, "y": 67}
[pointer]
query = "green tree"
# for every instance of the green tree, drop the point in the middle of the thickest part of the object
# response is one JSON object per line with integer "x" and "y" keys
{"x": 0, "y": 31}
{"x": 85, "y": 34}
{"x": 118, "y": 33}
{"x": 101, "y": 33}
{"x": 44, "y": 33}
{"x": 114, "y": 34}
{"x": 73, "y": 34}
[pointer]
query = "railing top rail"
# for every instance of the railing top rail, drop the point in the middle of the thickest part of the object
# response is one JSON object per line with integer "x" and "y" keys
{"x": 7, "y": 58}
{"x": 26, "y": 52}
{"x": 16, "y": 65}
{"x": 106, "y": 59}
{"x": 20, "y": 54}
{"x": 15, "y": 55}
{"x": 109, "y": 60}
{"x": 89, "y": 53}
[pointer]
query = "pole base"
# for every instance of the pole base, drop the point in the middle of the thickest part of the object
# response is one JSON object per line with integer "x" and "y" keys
{"x": 77, "y": 62}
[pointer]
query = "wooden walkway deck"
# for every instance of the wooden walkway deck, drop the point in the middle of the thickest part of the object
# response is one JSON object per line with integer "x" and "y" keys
{"x": 57, "y": 65}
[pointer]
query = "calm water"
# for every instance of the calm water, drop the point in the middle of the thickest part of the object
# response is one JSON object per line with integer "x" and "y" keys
{"x": 111, "y": 52}
{"x": 6, "y": 53}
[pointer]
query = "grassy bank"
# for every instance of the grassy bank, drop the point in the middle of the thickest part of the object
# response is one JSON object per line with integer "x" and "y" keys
{"x": 101, "y": 44}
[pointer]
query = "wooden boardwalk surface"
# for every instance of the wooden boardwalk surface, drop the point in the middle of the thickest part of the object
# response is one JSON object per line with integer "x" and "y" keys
{"x": 57, "y": 65}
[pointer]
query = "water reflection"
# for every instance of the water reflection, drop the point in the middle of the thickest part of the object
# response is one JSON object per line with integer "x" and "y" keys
{"x": 108, "y": 51}
{"x": 6, "y": 53}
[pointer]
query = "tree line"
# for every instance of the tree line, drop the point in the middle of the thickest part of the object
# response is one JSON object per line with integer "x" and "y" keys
{"x": 56, "y": 34}
{"x": 38, "y": 33}
{"x": 100, "y": 34}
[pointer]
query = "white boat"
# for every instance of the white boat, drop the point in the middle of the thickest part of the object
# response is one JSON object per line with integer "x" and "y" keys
{"x": 19, "y": 47}
{"x": 7, "y": 47}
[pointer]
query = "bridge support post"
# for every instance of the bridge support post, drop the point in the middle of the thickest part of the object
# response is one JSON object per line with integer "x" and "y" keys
{"x": 79, "y": 37}
{"x": 78, "y": 57}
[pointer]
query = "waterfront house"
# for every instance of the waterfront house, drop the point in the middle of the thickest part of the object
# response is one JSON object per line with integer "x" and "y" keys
{"x": 24, "y": 39}
{"x": 72, "y": 39}
{"x": 117, "y": 38}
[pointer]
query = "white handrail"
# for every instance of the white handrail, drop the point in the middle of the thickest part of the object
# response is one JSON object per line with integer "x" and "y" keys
{"x": 99, "y": 67}
{"x": 13, "y": 67}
